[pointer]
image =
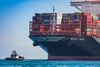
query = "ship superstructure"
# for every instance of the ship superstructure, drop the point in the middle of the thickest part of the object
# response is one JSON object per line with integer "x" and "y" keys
{"x": 68, "y": 36}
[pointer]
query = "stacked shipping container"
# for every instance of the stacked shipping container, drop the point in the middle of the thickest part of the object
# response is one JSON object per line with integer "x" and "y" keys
{"x": 86, "y": 24}
{"x": 96, "y": 25}
{"x": 73, "y": 24}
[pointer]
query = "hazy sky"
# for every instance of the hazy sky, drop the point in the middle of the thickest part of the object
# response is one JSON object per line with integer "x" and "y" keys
{"x": 14, "y": 25}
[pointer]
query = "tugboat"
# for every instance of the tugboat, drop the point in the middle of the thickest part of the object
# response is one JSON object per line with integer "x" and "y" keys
{"x": 14, "y": 56}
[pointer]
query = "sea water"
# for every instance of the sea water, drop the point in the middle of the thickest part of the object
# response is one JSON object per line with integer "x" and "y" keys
{"x": 47, "y": 63}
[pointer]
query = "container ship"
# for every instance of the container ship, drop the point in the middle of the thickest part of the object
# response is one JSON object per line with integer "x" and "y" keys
{"x": 69, "y": 36}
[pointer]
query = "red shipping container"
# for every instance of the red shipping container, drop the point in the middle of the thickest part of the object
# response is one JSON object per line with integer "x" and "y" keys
{"x": 87, "y": 14}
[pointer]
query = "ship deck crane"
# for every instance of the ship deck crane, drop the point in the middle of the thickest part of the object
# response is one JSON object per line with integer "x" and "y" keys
{"x": 87, "y": 5}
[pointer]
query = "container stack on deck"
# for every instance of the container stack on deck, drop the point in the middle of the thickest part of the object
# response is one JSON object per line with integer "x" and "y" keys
{"x": 76, "y": 24}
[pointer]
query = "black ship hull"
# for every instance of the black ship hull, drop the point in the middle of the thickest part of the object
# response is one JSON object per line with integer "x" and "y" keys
{"x": 68, "y": 47}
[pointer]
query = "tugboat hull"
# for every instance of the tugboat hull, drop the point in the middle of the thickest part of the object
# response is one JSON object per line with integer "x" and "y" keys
{"x": 14, "y": 59}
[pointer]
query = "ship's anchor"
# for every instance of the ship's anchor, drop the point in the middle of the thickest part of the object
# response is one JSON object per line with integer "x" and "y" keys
{"x": 36, "y": 43}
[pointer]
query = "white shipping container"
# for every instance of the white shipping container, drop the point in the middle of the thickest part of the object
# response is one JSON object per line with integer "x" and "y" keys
{"x": 94, "y": 30}
{"x": 89, "y": 29}
{"x": 95, "y": 17}
{"x": 59, "y": 18}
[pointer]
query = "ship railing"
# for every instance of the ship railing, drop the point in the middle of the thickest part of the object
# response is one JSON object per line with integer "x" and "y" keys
{"x": 55, "y": 33}
{"x": 60, "y": 29}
